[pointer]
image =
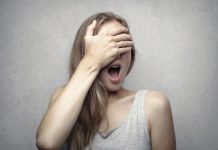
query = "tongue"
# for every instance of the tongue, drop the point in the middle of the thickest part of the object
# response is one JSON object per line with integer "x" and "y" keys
{"x": 114, "y": 74}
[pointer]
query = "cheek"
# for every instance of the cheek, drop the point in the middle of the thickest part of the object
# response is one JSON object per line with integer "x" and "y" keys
{"x": 126, "y": 58}
{"x": 102, "y": 74}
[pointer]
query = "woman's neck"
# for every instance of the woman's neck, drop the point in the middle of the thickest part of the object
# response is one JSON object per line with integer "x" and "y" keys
{"x": 116, "y": 95}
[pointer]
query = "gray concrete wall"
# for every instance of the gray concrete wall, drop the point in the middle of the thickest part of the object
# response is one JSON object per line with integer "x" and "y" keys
{"x": 176, "y": 45}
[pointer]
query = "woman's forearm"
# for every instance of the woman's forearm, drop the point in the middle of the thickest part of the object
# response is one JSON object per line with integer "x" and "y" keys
{"x": 63, "y": 113}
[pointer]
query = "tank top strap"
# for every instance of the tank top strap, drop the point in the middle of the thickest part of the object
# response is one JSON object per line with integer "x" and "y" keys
{"x": 132, "y": 132}
{"x": 138, "y": 104}
{"x": 140, "y": 99}
{"x": 138, "y": 113}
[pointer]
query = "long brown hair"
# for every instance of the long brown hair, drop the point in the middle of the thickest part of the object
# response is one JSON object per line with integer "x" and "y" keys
{"x": 95, "y": 103}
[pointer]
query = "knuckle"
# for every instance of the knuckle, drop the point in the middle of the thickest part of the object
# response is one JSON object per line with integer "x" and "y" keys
{"x": 113, "y": 44}
{"x": 105, "y": 33}
{"x": 109, "y": 38}
{"x": 116, "y": 50}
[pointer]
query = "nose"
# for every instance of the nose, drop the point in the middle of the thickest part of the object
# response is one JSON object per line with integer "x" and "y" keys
{"x": 118, "y": 57}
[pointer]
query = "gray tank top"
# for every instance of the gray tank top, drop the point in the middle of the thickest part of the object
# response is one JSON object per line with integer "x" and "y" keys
{"x": 131, "y": 134}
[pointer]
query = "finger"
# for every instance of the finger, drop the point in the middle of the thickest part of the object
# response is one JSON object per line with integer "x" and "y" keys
{"x": 90, "y": 28}
{"x": 124, "y": 44}
{"x": 116, "y": 31}
{"x": 122, "y": 37}
{"x": 105, "y": 33}
{"x": 124, "y": 50}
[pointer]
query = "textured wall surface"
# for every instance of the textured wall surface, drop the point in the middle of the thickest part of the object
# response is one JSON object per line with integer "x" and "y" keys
{"x": 176, "y": 41}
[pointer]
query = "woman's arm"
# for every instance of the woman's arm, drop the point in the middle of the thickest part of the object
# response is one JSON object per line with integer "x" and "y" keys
{"x": 66, "y": 103}
{"x": 64, "y": 107}
{"x": 161, "y": 122}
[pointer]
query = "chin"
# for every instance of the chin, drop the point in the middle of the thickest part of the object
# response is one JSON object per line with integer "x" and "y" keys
{"x": 113, "y": 88}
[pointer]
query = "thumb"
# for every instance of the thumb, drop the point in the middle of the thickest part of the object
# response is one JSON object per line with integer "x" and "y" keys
{"x": 90, "y": 28}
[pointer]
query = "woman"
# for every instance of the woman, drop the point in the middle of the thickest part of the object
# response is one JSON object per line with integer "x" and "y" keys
{"x": 93, "y": 110}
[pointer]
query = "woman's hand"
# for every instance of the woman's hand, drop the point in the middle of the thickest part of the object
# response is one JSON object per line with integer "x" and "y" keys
{"x": 103, "y": 48}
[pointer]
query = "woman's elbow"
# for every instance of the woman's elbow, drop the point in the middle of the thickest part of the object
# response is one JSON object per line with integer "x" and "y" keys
{"x": 43, "y": 144}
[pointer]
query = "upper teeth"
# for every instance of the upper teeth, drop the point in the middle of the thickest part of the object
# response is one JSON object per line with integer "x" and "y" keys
{"x": 116, "y": 66}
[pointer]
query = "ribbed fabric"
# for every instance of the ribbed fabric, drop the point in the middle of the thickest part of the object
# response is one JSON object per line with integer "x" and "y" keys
{"x": 131, "y": 134}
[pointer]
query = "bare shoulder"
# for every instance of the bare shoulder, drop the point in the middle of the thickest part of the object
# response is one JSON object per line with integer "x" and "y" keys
{"x": 160, "y": 118}
{"x": 156, "y": 100}
{"x": 157, "y": 106}
{"x": 55, "y": 94}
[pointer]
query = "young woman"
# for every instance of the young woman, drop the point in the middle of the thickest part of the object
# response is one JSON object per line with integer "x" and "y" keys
{"x": 93, "y": 110}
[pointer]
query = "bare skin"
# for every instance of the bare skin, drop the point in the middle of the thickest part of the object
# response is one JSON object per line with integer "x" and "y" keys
{"x": 157, "y": 107}
{"x": 157, "y": 113}
{"x": 66, "y": 101}
{"x": 160, "y": 127}
{"x": 52, "y": 132}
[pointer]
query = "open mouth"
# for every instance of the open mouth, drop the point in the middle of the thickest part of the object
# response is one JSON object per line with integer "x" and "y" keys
{"x": 114, "y": 71}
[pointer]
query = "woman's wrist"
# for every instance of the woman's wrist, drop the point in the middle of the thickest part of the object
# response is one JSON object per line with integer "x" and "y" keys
{"x": 90, "y": 64}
